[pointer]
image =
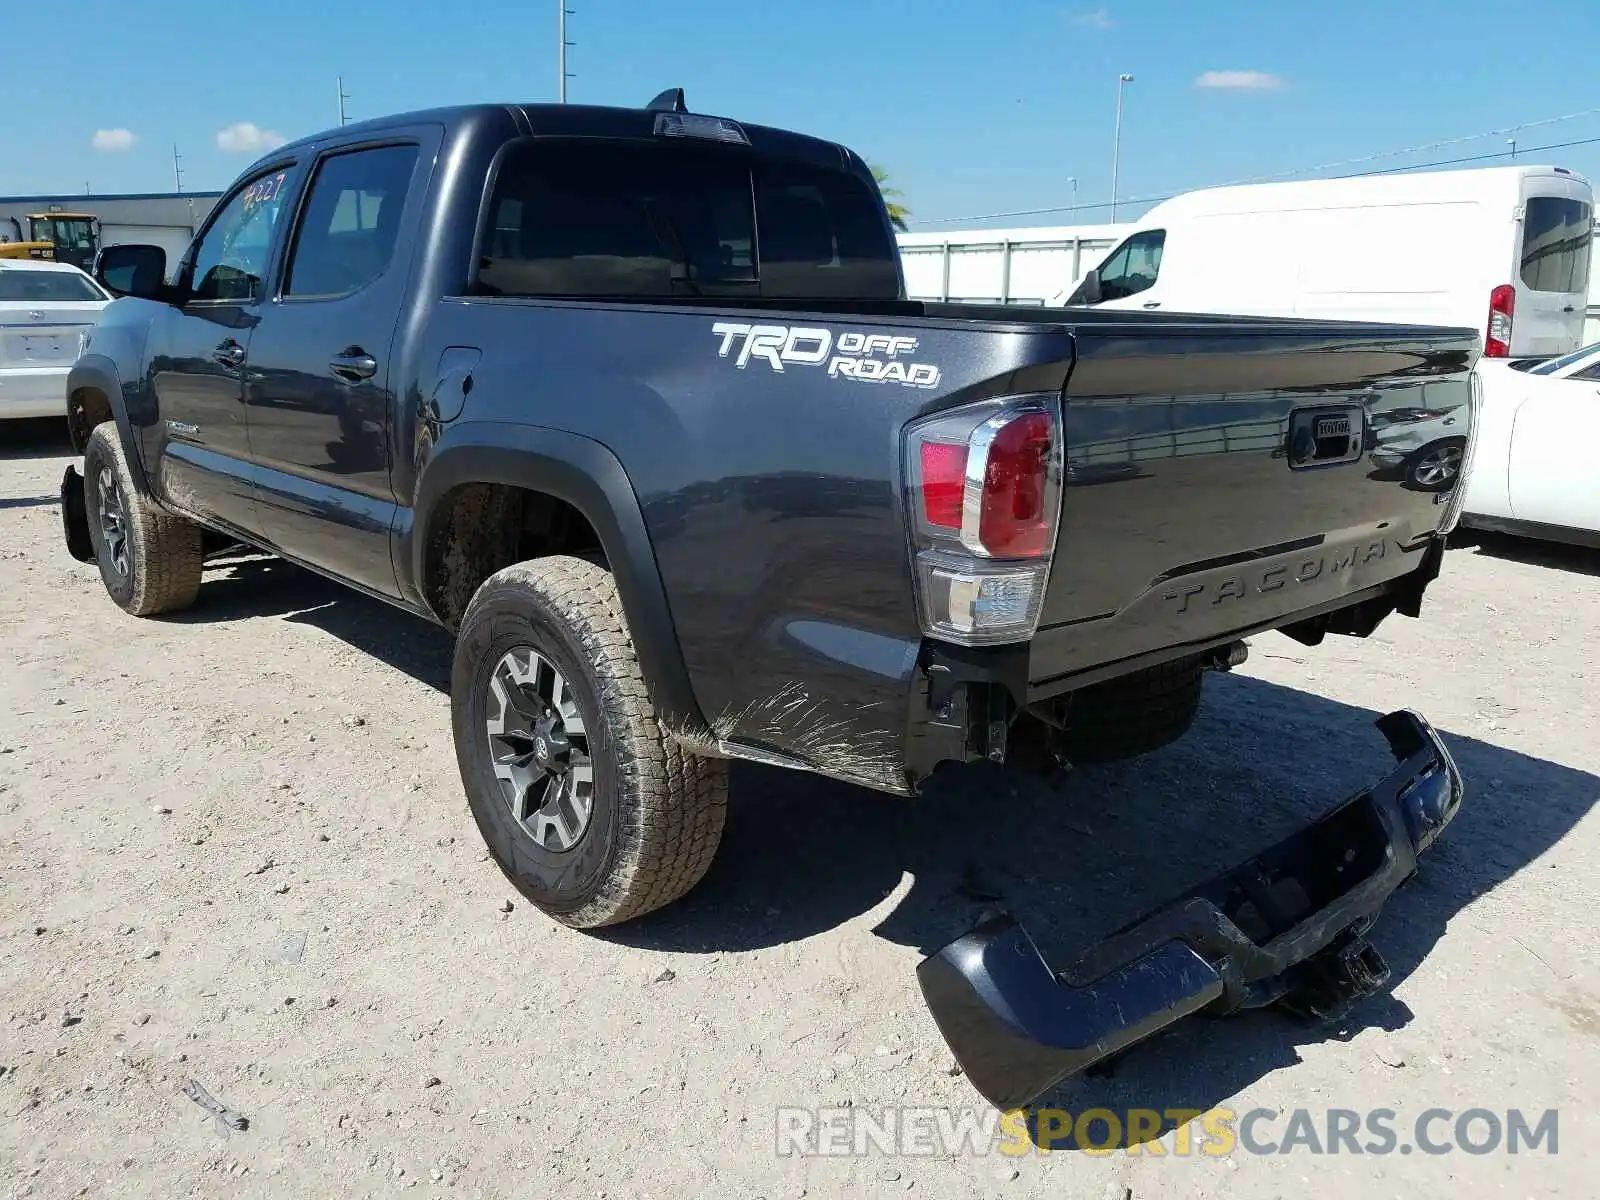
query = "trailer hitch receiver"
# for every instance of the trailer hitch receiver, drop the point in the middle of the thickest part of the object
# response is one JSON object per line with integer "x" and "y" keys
{"x": 1288, "y": 927}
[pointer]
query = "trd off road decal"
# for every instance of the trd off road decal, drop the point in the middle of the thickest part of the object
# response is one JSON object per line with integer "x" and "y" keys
{"x": 866, "y": 357}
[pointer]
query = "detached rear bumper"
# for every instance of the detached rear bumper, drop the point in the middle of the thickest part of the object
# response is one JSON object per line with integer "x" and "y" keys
{"x": 1289, "y": 927}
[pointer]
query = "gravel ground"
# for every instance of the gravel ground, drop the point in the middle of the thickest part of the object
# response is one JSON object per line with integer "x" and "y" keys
{"x": 235, "y": 851}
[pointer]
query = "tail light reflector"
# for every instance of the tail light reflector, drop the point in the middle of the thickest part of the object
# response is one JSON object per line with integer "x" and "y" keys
{"x": 944, "y": 477}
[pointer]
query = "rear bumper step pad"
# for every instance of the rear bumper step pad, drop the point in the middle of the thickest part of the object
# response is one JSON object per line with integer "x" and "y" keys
{"x": 1288, "y": 927}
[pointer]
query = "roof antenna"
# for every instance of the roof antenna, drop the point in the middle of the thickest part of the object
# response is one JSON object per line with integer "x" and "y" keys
{"x": 670, "y": 100}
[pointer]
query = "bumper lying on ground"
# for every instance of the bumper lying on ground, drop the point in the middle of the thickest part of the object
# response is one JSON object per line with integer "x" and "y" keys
{"x": 1288, "y": 927}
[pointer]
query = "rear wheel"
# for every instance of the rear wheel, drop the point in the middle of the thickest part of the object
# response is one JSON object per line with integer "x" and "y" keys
{"x": 588, "y": 807}
{"x": 149, "y": 559}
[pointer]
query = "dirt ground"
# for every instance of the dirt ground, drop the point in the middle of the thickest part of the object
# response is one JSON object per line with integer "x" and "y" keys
{"x": 234, "y": 850}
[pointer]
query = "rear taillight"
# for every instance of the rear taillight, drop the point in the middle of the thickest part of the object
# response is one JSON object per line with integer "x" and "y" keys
{"x": 984, "y": 487}
{"x": 1017, "y": 517}
{"x": 1502, "y": 308}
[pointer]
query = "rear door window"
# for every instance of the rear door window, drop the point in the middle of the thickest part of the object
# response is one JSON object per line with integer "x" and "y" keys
{"x": 640, "y": 220}
{"x": 1557, "y": 234}
{"x": 346, "y": 236}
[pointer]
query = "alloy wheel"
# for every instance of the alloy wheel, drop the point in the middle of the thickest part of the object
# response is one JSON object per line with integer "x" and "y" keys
{"x": 1438, "y": 466}
{"x": 113, "y": 521}
{"x": 539, "y": 749}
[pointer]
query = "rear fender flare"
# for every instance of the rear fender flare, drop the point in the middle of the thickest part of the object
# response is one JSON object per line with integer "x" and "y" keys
{"x": 586, "y": 475}
{"x": 97, "y": 372}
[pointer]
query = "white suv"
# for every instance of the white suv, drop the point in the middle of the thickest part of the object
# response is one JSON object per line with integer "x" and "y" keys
{"x": 46, "y": 309}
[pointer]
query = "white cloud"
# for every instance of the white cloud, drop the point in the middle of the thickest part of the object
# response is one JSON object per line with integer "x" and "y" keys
{"x": 1240, "y": 81}
{"x": 113, "y": 139}
{"x": 1100, "y": 19}
{"x": 243, "y": 137}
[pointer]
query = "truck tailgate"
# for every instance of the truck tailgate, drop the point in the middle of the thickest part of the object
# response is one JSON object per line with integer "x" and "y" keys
{"x": 1208, "y": 489}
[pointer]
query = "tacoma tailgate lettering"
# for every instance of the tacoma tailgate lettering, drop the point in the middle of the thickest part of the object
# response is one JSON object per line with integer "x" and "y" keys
{"x": 1273, "y": 579}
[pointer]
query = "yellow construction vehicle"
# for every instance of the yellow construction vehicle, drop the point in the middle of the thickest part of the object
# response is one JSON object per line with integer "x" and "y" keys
{"x": 66, "y": 237}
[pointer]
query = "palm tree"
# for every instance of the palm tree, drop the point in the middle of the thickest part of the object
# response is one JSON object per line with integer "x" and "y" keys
{"x": 898, "y": 212}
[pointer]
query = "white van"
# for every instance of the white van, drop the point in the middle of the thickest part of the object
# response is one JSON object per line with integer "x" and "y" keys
{"x": 1504, "y": 250}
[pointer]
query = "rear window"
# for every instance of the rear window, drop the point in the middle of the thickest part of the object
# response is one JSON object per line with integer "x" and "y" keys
{"x": 1556, "y": 237}
{"x": 47, "y": 287}
{"x": 574, "y": 218}
{"x": 1552, "y": 365}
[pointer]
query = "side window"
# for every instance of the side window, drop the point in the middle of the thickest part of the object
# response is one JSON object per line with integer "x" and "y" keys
{"x": 346, "y": 238}
{"x": 232, "y": 255}
{"x": 1134, "y": 266}
{"x": 1590, "y": 372}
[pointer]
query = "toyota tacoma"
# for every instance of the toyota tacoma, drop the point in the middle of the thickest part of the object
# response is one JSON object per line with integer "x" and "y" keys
{"x": 632, "y": 402}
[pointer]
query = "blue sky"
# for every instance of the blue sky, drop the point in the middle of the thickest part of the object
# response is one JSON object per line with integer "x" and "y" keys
{"x": 973, "y": 107}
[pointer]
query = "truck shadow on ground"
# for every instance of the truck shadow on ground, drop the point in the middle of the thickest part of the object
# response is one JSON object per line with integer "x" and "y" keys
{"x": 1558, "y": 556}
{"x": 34, "y": 437}
{"x": 1073, "y": 860}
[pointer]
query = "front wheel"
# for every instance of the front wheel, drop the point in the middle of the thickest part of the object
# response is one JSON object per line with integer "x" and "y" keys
{"x": 589, "y": 808}
{"x": 150, "y": 560}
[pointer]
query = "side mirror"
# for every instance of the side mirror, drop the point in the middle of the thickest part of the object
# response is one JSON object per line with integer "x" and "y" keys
{"x": 1088, "y": 288}
{"x": 132, "y": 270}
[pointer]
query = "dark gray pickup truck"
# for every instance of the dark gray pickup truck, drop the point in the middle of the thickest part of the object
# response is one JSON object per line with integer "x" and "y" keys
{"x": 631, "y": 400}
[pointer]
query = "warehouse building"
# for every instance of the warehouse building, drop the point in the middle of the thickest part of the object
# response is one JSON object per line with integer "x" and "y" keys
{"x": 166, "y": 219}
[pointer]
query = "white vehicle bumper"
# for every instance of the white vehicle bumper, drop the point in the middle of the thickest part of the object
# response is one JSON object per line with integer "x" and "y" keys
{"x": 33, "y": 392}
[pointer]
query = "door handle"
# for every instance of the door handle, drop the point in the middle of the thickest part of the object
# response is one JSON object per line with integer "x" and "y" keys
{"x": 354, "y": 365}
{"x": 230, "y": 354}
{"x": 1152, "y": 304}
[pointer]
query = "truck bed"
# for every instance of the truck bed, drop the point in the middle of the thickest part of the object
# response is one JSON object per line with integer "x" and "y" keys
{"x": 776, "y": 513}
{"x": 1184, "y": 520}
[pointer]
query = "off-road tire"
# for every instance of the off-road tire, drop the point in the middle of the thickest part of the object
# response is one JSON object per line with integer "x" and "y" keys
{"x": 163, "y": 550}
{"x": 658, "y": 810}
{"x": 1133, "y": 715}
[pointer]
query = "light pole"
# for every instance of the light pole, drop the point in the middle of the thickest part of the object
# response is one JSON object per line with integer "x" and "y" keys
{"x": 1073, "y": 182}
{"x": 561, "y": 34}
{"x": 1512, "y": 142}
{"x": 1123, "y": 81}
